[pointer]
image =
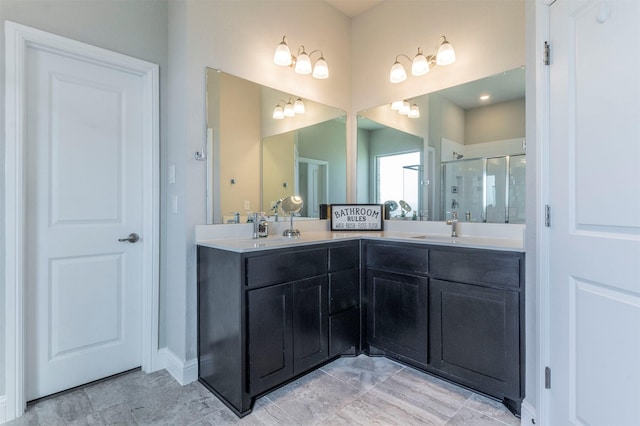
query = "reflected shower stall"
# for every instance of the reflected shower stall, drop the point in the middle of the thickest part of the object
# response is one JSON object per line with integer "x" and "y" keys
{"x": 485, "y": 189}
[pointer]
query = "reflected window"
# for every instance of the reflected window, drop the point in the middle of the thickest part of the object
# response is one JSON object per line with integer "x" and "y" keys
{"x": 398, "y": 178}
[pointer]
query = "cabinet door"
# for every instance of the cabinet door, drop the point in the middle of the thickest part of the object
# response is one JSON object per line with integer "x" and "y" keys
{"x": 475, "y": 336}
{"x": 344, "y": 332}
{"x": 344, "y": 312}
{"x": 310, "y": 317}
{"x": 397, "y": 314}
{"x": 344, "y": 290}
{"x": 270, "y": 342}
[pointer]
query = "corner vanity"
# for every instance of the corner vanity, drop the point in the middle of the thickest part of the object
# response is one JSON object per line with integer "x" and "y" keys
{"x": 270, "y": 310}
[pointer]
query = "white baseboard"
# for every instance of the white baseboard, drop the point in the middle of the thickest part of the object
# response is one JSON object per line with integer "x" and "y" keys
{"x": 184, "y": 372}
{"x": 3, "y": 409}
{"x": 527, "y": 414}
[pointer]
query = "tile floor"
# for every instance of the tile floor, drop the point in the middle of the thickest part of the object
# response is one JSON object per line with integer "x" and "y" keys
{"x": 348, "y": 391}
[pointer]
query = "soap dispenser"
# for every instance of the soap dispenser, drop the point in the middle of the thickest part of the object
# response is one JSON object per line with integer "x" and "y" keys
{"x": 263, "y": 226}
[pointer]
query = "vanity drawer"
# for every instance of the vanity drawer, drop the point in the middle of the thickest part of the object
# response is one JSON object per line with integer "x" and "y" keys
{"x": 412, "y": 258}
{"x": 344, "y": 257}
{"x": 477, "y": 267}
{"x": 285, "y": 267}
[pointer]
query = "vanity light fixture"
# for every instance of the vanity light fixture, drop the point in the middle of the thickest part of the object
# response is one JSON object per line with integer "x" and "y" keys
{"x": 302, "y": 62}
{"x": 421, "y": 64}
{"x": 404, "y": 107}
{"x": 288, "y": 108}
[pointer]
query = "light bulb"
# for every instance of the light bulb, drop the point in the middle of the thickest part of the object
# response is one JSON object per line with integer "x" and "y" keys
{"x": 321, "y": 69}
{"x": 282, "y": 55}
{"x": 298, "y": 106}
{"x": 446, "y": 55}
{"x": 406, "y": 107}
{"x": 278, "y": 113}
{"x": 396, "y": 105}
{"x": 420, "y": 65}
{"x": 303, "y": 63}
{"x": 414, "y": 112}
{"x": 397, "y": 74}
{"x": 288, "y": 110}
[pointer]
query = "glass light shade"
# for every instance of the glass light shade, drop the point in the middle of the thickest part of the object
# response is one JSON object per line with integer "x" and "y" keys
{"x": 420, "y": 65}
{"x": 298, "y": 106}
{"x": 414, "y": 112}
{"x": 278, "y": 113}
{"x": 303, "y": 64}
{"x": 446, "y": 55}
{"x": 397, "y": 74}
{"x": 288, "y": 110}
{"x": 406, "y": 107}
{"x": 282, "y": 55}
{"x": 396, "y": 105}
{"x": 321, "y": 69}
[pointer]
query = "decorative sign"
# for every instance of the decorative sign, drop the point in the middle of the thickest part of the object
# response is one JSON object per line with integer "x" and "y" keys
{"x": 357, "y": 217}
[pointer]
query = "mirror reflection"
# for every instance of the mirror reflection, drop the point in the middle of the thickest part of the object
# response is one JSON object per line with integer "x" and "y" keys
{"x": 255, "y": 160}
{"x": 460, "y": 151}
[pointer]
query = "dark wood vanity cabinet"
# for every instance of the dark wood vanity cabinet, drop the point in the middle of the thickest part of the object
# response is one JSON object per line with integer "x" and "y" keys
{"x": 455, "y": 312}
{"x": 476, "y": 308}
{"x": 267, "y": 317}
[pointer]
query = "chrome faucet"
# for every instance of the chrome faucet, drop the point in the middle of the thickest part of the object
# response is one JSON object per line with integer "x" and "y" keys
{"x": 255, "y": 226}
{"x": 274, "y": 208}
{"x": 454, "y": 224}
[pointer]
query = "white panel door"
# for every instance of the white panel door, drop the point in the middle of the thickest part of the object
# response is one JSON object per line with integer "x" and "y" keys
{"x": 84, "y": 161}
{"x": 594, "y": 254}
{"x": 315, "y": 192}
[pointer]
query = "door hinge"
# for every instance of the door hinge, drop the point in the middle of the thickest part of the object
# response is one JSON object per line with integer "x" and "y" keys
{"x": 547, "y": 53}
{"x": 547, "y": 378}
{"x": 547, "y": 215}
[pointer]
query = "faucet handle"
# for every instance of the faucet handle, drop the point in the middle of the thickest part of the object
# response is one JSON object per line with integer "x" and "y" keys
{"x": 454, "y": 215}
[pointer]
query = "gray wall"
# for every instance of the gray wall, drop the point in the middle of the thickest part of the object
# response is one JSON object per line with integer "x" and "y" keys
{"x": 134, "y": 28}
{"x": 505, "y": 120}
{"x": 327, "y": 141}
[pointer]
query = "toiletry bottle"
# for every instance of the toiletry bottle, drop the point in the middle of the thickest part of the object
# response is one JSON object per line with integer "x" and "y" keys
{"x": 263, "y": 226}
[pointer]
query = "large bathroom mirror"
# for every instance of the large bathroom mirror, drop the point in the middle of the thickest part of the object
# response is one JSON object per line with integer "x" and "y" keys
{"x": 461, "y": 151}
{"x": 254, "y": 160}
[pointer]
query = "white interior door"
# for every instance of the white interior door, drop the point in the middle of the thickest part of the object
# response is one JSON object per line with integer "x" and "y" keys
{"x": 84, "y": 181}
{"x": 594, "y": 254}
{"x": 315, "y": 191}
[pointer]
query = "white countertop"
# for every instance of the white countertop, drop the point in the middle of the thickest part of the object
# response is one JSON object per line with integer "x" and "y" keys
{"x": 242, "y": 245}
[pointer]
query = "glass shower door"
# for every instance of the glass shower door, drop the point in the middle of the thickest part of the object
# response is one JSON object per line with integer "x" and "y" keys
{"x": 496, "y": 187}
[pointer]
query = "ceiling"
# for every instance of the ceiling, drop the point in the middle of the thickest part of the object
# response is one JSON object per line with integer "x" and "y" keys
{"x": 353, "y": 8}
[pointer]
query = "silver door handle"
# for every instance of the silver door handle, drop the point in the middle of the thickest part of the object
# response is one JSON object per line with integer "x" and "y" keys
{"x": 132, "y": 238}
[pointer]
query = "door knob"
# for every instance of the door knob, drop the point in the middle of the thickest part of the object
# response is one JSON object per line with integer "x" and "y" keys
{"x": 132, "y": 238}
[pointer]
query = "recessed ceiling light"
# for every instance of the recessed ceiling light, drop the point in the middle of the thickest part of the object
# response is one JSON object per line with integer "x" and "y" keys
{"x": 484, "y": 97}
